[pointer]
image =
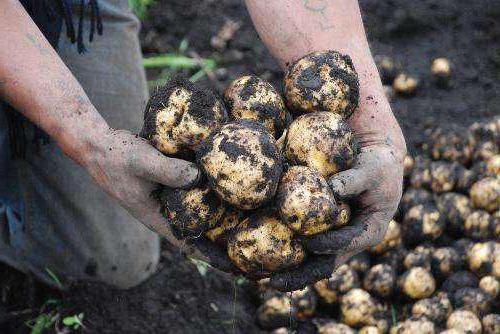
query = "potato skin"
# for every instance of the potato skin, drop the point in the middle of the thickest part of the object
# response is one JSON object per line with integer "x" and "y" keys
{"x": 264, "y": 244}
{"x": 322, "y": 141}
{"x": 322, "y": 81}
{"x": 417, "y": 283}
{"x": 331, "y": 289}
{"x": 465, "y": 321}
{"x": 436, "y": 309}
{"x": 242, "y": 164}
{"x": 191, "y": 212}
{"x": 491, "y": 323}
{"x": 305, "y": 201}
{"x": 422, "y": 223}
{"x": 179, "y": 116}
{"x": 249, "y": 97}
{"x": 228, "y": 224}
{"x": 485, "y": 194}
{"x": 420, "y": 325}
{"x": 456, "y": 208}
{"x": 392, "y": 239}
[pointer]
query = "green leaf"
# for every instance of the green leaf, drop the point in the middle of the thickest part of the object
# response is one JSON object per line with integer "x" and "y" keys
{"x": 54, "y": 277}
{"x": 176, "y": 61}
{"x": 202, "y": 266}
{"x": 74, "y": 321}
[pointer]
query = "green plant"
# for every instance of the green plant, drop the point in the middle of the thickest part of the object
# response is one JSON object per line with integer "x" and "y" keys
{"x": 74, "y": 321}
{"x": 140, "y": 7}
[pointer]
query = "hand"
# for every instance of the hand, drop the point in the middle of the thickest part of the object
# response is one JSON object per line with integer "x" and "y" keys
{"x": 129, "y": 169}
{"x": 374, "y": 184}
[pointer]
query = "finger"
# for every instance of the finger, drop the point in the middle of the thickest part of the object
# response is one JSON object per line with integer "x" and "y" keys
{"x": 174, "y": 173}
{"x": 367, "y": 229}
{"x": 350, "y": 183}
{"x": 315, "y": 269}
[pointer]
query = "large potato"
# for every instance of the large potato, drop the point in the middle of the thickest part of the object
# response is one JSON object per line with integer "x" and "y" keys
{"x": 322, "y": 141}
{"x": 242, "y": 163}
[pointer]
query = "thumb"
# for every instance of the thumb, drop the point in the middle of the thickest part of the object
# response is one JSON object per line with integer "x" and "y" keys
{"x": 350, "y": 183}
{"x": 171, "y": 172}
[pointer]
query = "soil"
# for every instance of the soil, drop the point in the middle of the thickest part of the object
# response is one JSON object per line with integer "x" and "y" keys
{"x": 180, "y": 300}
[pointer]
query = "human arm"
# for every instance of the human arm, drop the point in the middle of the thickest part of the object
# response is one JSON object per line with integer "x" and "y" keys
{"x": 292, "y": 29}
{"x": 35, "y": 81}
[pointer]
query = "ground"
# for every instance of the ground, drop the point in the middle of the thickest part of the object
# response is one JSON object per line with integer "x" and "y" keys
{"x": 178, "y": 299}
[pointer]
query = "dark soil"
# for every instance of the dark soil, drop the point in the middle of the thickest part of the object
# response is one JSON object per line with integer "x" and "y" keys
{"x": 178, "y": 299}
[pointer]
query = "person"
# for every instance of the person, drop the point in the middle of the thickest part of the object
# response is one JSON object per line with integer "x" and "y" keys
{"x": 71, "y": 205}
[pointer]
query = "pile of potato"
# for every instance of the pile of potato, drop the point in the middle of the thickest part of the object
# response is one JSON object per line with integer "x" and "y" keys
{"x": 266, "y": 159}
{"x": 437, "y": 269}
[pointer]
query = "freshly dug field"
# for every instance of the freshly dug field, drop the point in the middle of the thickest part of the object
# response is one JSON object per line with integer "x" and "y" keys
{"x": 178, "y": 299}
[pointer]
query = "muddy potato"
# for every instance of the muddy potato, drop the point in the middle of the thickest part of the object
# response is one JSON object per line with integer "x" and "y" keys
{"x": 305, "y": 201}
{"x": 332, "y": 327}
{"x": 460, "y": 279}
{"x": 422, "y": 223}
{"x": 380, "y": 280}
{"x": 179, "y": 116}
{"x": 417, "y": 283}
{"x": 443, "y": 176}
{"x": 484, "y": 258}
{"x": 250, "y": 97}
{"x": 464, "y": 321}
{"x": 304, "y": 302}
{"x": 465, "y": 179}
{"x": 388, "y": 68}
{"x": 441, "y": 71}
{"x": 462, "y": 246}
{"x": 496, "y": 225}
{"x": 493, "y": 165}
{"x": 479, "y": 225}
{"x": 485, "y": 194}
{"x": 341, "y": 281}
{"x": 358, "y": 308}
{"x": 450, "y": 146}
{"x": 420, "y": 256}
{"x": 191, "y": 212}
{"x": 491, "y": 323}
{"x": 414, "y": 325}
{"x": 437, "y": 308}
{"x": 490, "y": 285}
{"x": 228, "y": 224}
{"x": 421, "y": 174}
{"x": 483, "y": 151}
{"x": 392, "y": 239}
{"x": 445, "y": 261}
{"x": 322, "y": 81}
{"x": 370, "y": 330}
{"x": 484, "y": 131}
{"x": 393, "y": 257}
{"x": 405, "y": 84}
{"x": 321, "y": 141}
{"x": 456, "y": 208}
{"x": 344, "y": 214}
{"x": 413, "y": 197}
{"x": 276, "y": 311}
{"x": 264, "y": 244}
{"x": 472, "y": 299}
{"x": 359, "y": 263}
{"x": 242, "y": 164}
{"x": 408, "y": 163}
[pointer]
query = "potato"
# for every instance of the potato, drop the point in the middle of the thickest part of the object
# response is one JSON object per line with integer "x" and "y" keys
{"x": 472, "y": 299}
{"x": 450, "y": 146}
{"x": 344, "y": 214}
{"x": 491, "y": 324}
{"x": 276, "y": 311}
{"x": 441, "y": 71}
{"x": 484, "y": 259}
{"x": 490, "y": 285}
{"x": 322, "y": 81}
{"x": 242, "y": 164}
{"x": 405, "y": 84}
{"x": 332, "y": 327}
{"x": 393, "y": 257}
{"x": 462, "y": 246}
{"x": 339, "y": 283}
{"x": 264, "y": 244}
{"x": 191, "y": 212}
{"x": 358, "y": 308}
{"x": 484, "y": 131}
{"x": 250, "y": 97}
{"x": 421, "y": 174}
{"x": 408, "y": 164}
{"x": 179, "y": 116}
{"x": 465, "y": 321}
{"x": 304, "y": 302}
{"x": 414, "y": 325}
{"x": 321, "y": 141}
{"x": 443, "y": 176}
{"x": 305, "y": 201}
{"x": 437, "y": 309}
{"x": 485, "y": 194}
{"x": 417, "y": 283}
{"x": 388, "y": 68}
{"x": 370, "y": 330}
{"x": 380, "y": 280}
{"x": 458, "y": 280}
{"x": 445, "y": 261}
{"x": 359, "y": 263}
{"x": 485, "y": 150}
{"x": 420, "y": 256}
{"x": 392, "y": 239}
{"x": 413, "y": 197}
{"x": 465, "y": 179}
{"x": 456, "y": 208}
{"x": 479, "y": 225}
{"x": 422, "y": 223}
{"x": 493, "y": 165}
{"x": 228, "y": 224}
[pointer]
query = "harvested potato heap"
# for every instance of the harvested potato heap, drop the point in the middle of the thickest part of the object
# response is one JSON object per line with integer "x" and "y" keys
{"x": 265, "y": 172}
{"x": 437, "y": 270}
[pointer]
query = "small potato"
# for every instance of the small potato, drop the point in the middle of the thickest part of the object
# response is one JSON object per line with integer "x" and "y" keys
{"x": 405, "y": 84}
{"x": 344, "y": 214}
{"x": 417, "y": 283}
{"x": 437, "y": 308}
{"x": 422, "y": 223}
{"x": 421, "y": 175}
{"x": 304, "y": 302}
{"x": 465, "y": 321}
{"x": 380, "y": 280}
{"x": 462, "y": 246}
{"x": 359, "y": 263}
{"x": 179, "y": 116}
{"x": 473, "y": 299}
{"x": 322, "y": 81}
{"x": 491, "y": 324}
{"x": 305, "y": 201}
{"x": 485, "y": 194}
{"x": 264, "y": 244}
{"x": 449, "y": 146}
{"x": 388, "y": 68}
{"x": 490, "y": 285}
{"x": 321, "y": 141}
{"x": 226, "y": 227}
{"x": 456, "y": 208}
{"x": 421, "y": 256}
{"x": 242, "y": 164}
{"x": 408, "y": 163}
{"x": 339, "y": 283}
{"x": 250, "y": 97}
{"x": 460, "y": 279}
{"x": 358, "y": 308}
{"x": 484, "y": 131}
{"x": 391, "y": 239}
{"x": 370, "y": 330}
{"x": 479, "y": 225}
{"x": 445, "y": 261}
{"x": 332, "y": 327}
{"x": 393, "y": 257}
{"x": 413, "y": 197}
{"x": 443, "y": 176}
{"x": 414, "y": 325}
{"x": 276, "y": 311}
{"x": 191, "y": 212}
{"x": 465, "y": 179}
{"x": 484, "y": 259}
{"x": 484, "y": 151}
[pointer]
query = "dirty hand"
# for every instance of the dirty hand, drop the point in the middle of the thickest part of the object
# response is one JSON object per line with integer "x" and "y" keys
{"x": 129, "y": 169}
{"x": 374, "y": 184}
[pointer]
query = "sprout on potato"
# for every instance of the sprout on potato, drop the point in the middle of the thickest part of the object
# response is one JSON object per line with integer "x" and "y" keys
{"x": 242, "y": 164}
{"x": 264, "y": 244}
{"x": 322, "y": 141}
{"x": 465, "y": 321}
{"x": 417, "y": 283}
{"x": 305, "y": 201}
{"x": 343, "y": 214}
{"x": 179, "y": 116}
{"x": 250, "y": 97}
{"x": 322, "y": 81}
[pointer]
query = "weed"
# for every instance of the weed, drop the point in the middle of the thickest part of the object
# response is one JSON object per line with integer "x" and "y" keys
{"x": 140, "y": 7}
